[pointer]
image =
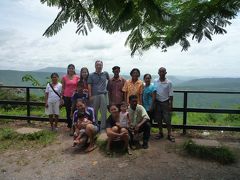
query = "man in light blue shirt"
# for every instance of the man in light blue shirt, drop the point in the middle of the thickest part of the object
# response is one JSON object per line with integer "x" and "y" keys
{"x": 98, "y": 94}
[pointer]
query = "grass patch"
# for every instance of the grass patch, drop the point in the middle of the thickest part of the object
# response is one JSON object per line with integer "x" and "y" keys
{"x": 220, "y": 154}
{"x": 102, "y": 144}
{"x": 9, "y": 138}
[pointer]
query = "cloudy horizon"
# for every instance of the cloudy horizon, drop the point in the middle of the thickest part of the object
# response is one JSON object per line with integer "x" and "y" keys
{"x": 22, "y": 47}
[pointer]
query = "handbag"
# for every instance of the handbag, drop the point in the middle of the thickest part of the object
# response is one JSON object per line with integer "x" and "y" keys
{"x": 54, "y": 91}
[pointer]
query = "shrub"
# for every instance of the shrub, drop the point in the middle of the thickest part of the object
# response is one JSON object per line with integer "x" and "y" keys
{"x": 211, "y": 117}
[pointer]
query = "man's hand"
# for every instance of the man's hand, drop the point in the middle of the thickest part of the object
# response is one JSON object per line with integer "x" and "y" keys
{"x": 123, "y": 134}
{"x": 91, "y": 98}
{"x": 136, "y": 129}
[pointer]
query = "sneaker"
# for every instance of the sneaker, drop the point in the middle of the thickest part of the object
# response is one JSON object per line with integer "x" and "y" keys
{"x": 171, "y": 138}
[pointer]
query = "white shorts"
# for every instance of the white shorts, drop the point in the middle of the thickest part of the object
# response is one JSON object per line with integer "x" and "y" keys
{"x": 53, "y": 108}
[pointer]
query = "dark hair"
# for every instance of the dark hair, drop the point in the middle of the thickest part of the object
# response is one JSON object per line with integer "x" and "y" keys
{"x": 124, "y": 103}
{"x": 82, "y": 101}
{"x": 98, "y": 61}
{"x": 135, "y": 69}
{"x": 147, "y": 75}
{"x": 80, "y": 84}
{"x": 115, "y": 67}
{"x": 110, "y": 105}
{"x": 132, "y": 97}
{"x": 80, "y": 114}
{"x": 83, "y": 68}
{"x": 71, "y": 65}
{"x": 54, "y": 74}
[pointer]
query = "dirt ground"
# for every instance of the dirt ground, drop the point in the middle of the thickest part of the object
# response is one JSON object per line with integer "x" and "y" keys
{"x": 163, "y": 160}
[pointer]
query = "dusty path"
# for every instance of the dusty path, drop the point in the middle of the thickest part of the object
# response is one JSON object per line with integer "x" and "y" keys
{"x": 163, "y": 160}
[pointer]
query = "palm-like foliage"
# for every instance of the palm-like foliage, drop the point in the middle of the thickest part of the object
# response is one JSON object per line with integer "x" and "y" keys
{"x": 149, "y": 22}
{"x": 73, "y": 11}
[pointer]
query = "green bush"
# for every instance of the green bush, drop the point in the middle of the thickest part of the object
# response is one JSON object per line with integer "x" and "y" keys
{"x": 7, "y": 134}
{"x": 211, "y": 117}
{"x": 233, "y": 117}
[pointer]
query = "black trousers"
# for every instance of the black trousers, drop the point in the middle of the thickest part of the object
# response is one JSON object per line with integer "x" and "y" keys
{"x": 68, "y": 105}
{"x": 151, "y": 116}
{"x": 146, "y": 129}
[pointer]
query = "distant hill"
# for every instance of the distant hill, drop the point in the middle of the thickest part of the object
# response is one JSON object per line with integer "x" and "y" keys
{"x": 175, "y": 79}
{"x": 53, "y": 69}
{"x": 227, "y": 84}
{"x": 9, "y": 77}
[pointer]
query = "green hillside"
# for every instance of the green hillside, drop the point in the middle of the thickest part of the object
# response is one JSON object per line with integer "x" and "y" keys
{"x": 10, "y": 77}
{"x": 219, "y": 84}
{"x": 14, "y": 78}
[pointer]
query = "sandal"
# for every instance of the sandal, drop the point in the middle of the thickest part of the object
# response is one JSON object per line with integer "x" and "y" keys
{"x": 90, "y": 149}
{"x": 171, "y": 138}
{"x": 159, "y": 136}
{"x": 128, "y": 151}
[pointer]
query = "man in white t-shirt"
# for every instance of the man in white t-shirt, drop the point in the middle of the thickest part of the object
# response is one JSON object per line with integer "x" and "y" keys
{"x": 164, "y": 103}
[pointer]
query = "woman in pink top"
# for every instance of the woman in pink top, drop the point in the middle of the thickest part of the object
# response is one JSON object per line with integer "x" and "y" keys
{"x": 69, "y": 86}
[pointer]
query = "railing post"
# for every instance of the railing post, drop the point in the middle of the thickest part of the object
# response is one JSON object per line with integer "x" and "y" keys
{"x": 185, "y": 99}
{"x": 28, "y": 103}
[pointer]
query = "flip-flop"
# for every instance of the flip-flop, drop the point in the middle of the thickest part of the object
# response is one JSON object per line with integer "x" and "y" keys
{"x": 91, "y": 149}
{"x": 159, "y": 136}
{"x": 129, "y": 152}
{"x": 171, "y": 138}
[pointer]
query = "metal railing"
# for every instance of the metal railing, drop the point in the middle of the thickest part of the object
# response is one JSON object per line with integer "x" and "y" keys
{"x": 185, "y": 109}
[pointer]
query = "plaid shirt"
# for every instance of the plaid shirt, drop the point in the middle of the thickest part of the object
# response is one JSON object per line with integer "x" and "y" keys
{"x": 133, "y": 89}
{"x": 114, "y": 88}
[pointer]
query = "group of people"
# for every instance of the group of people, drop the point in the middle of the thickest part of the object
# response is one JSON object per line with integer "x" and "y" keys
{"x": 133, "y": 104}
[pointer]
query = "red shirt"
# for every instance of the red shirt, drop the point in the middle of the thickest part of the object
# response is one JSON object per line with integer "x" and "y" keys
{"x": 70, "y": 85}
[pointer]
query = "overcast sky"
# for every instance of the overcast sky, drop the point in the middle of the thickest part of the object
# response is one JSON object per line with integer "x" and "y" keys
{"x": 22, "y": 46}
